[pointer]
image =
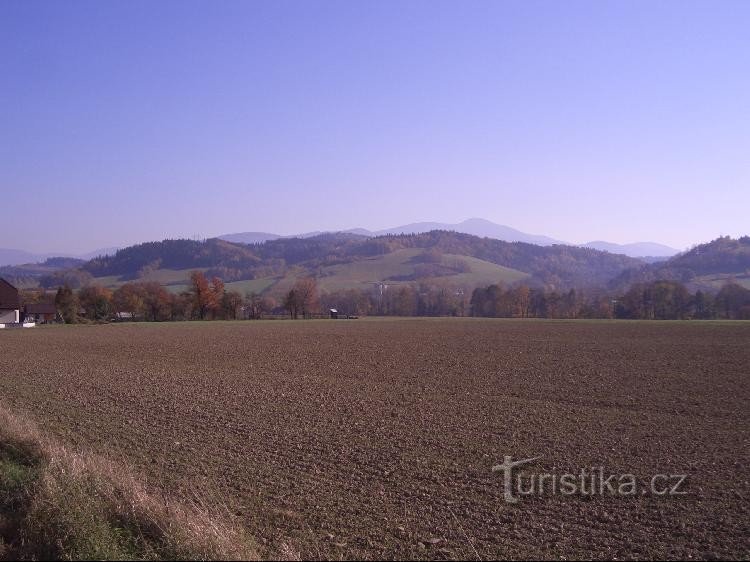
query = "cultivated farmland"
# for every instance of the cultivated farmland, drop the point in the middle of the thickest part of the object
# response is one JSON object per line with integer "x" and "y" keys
{"x": 376, "y": 438}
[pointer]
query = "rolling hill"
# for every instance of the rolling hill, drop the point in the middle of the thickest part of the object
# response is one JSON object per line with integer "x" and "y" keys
{"x": 28, "y": 275}
{"x": 343, "y": 260}
{"x": 706, "y": 266}
{"x": 348, "y": 260}
{"x": 648, "y": 251}
{"x": 413, "y": 264}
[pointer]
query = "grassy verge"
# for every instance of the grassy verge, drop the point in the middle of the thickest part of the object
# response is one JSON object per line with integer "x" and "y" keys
{"x": 60, "y": 504}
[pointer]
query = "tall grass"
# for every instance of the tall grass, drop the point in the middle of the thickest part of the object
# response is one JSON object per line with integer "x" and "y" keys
{"x": 56, "y": 503}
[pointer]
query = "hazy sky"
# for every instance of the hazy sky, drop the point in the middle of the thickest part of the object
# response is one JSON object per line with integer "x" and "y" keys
{"x": 130, "y": 121}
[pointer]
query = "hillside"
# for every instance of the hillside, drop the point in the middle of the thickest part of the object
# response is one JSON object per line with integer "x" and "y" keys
{"x": 353, "y": 261}
{"x": 29, "y": 275}
{"x": 347, "y": 260}
{"x": 706, "y": 266}
{"x": 413, "y": 264}
{"x": 344, "y": 260}
{"x": 400, "y": 267}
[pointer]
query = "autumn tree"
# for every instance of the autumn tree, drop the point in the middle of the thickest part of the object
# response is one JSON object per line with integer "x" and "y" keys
{"x": 73, "y": 278}
{"x": 521, "y": 301}
{"x": 129, "y": 298}
{"x": 703, "y": 306}
{"x": 67, "y": 304}
{"x": 671, "y": 300}
{"x": 306, "y": 295}
{"x": 733, "y": 302}
{"x": 182, "y": 306}
{"x": 157, "y": 301}
{"x": 217, "y": 296}
{"x": 96, "y": 301}
{"x": 231, "y": 302}
{"x": 291, "y": 303}
{"x": 256, "y": 305}
{"x": 347, "y": 302}
{"x": 203, "y": 296}
{"x": 659, "y": 300}
{"x": 571, "y": 304}
{"x": 403, "y": 302}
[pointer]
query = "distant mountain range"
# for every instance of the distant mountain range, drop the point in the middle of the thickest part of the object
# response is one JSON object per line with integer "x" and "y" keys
{"x": 476, "y": 227}
{"x": 648, "y": 251}
{"x": 18, "y": 257}
{"x": 635, "y": 250}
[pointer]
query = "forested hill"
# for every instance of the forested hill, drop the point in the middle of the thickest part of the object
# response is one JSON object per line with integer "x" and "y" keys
{"x": 172, "y": 254}
{"x": 348, "y": 260}
{"x": 553, "y": 266}
{"x": 706, "y": 266}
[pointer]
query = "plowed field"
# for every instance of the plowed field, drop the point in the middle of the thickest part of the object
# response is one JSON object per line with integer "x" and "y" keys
{"x": 376, "y": 438}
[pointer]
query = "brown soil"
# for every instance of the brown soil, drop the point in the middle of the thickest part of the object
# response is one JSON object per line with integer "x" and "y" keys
{"x": 376, "y": 438}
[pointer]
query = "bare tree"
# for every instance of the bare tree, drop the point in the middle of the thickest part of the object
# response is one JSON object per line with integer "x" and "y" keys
{"x": 306, "y": 294}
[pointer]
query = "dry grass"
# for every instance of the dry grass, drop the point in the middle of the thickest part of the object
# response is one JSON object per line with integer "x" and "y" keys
{"x": 63, "y": 504}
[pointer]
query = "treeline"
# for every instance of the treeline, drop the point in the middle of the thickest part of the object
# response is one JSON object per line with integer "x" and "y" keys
{"x": 205, "y": 300}
{"x": 422, "y": 299}
{"x": 668, "y": 300}
{"x": 658, "y": 300}
{"x": 208, "y": 299}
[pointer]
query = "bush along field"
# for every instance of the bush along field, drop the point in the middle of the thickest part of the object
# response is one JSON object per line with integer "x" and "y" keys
{"x": 56, "y": 503}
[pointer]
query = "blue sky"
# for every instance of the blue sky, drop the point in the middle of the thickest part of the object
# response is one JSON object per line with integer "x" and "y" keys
{"x": 130, "y": 121}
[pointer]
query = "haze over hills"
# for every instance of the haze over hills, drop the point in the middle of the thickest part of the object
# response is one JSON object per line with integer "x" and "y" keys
{"x": 10, "y": 256}
{"x": 250, "y": 237}
{"x": 635, "y": 249}
{"x": 477, "y": 227}
{"x": 474, "y": 226}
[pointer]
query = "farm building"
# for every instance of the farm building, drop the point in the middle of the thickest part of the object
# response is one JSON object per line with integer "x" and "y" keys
{"x": 124, "y": 316}
{"x": 10, "y": 303}
{"x": 41, "y": 313}
{"x": 334, "y": 313}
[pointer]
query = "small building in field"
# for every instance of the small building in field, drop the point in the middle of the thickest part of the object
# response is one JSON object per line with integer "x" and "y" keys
{"x": 124, "y": 316}
{"x": 10, "y": 303}
{"x": 334, "y": 314}
{"x": 41, "y": 313}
